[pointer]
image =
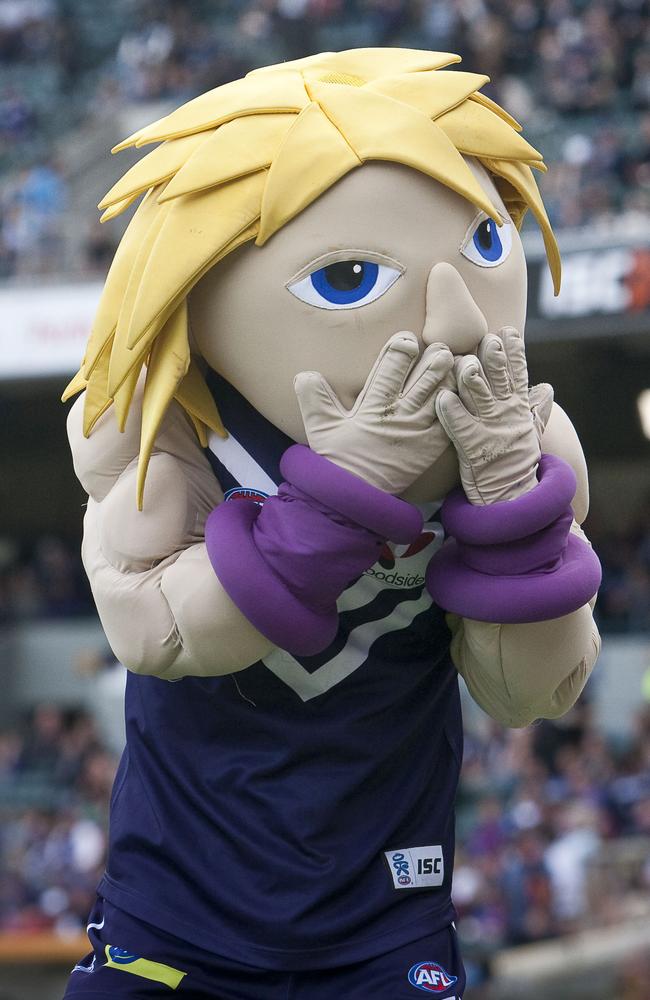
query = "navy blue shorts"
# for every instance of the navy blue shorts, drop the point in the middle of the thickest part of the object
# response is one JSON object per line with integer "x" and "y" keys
{"x": 133, "y": 960}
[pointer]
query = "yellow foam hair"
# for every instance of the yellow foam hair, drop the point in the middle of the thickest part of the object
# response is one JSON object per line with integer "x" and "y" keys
{"x": 283, "y": 93}
{"x": 466, "y": 125}
{"x": 237, "y": 163}
{"x": 161, "y": 384}
{"x": 167, "y": 275}
{"x": 117, "y": 207}
{"x": 520, "y": 177}
{"x": 313, "y": 147}
{"x": 240, "y": 147}
{"x": 157, "y": 166}
{"x": 433, "y": 92}
{"x": 407, "y": 136}
{"x": 368, "y": 64}
{"x": 116, "y": 282}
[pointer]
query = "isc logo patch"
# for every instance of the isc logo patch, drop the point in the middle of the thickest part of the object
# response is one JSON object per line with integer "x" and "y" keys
{"x": 416, "y": 867}
{"x": 431, "y": 977}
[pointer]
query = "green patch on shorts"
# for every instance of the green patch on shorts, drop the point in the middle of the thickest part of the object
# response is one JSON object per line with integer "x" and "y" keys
{"x": 125, "y": 961}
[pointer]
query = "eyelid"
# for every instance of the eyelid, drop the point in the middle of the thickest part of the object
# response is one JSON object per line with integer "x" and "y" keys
{"x": 335, "y": 256}
{"x": 475, "y": 223}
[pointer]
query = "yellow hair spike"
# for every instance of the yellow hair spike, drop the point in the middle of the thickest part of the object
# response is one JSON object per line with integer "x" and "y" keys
{"x": 406, "y": 136}
{"x": 240, "y": 147}
{"x": 467, "y": 125}
{"x": 97, "y": 399}
{"x": 520, "y": 176}
{"x": 196, "y": 399}
{"x": 116, "y": 282}
{"x": 284, "y": 92}
{"x": 491, "y": 105}
{"x": 75, "y": 385}
{"x": 122, "y": 358}
{"x": 119, "y": 207}
{"x": 124, "y": 396}
{"x": 161, "y": 384}
{"x": 366, "y": 63}
{"x": 313, "y": 148}
{"x": 433, "y": 92}
{"x": 229, "y": 210}
{"x": 157, "y": 166}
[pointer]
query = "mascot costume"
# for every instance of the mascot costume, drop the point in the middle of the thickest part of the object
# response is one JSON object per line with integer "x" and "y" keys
{"x": 311, "y": 337}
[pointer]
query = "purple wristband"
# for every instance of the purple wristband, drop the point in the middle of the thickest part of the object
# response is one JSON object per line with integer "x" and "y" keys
{"x": 492, "y": 572}
{"x": 510, "y": 599}
{"x": 256, "y": 590}
{"x": 508, "y": 520}
{"x": 285, "y": 564}
{"x": 376, "y": 510}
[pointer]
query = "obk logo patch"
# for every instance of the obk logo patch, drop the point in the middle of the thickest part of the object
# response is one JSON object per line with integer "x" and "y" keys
{"x": 416, "y": 867}
{"x": 431, "y": 978}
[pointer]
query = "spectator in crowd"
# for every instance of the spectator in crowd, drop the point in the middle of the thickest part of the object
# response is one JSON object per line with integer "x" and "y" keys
{"x": 52, "y": 850}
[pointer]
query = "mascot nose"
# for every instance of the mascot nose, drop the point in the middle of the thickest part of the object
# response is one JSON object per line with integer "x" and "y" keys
{"x": 452, "y": 317}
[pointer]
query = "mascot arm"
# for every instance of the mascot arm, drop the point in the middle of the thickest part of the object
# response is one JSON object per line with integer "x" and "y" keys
{"x": 519, "y": 673}
{"x": 162, "y": 608}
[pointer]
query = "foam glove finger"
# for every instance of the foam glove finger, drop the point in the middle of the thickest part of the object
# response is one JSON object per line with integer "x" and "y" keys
{"x": 428, "y": 375}
{"x": 458, "y": 423}
{"x": 473, "y": 388}
{"x": 317, "y": 400}
{"x": 390, "y": 371}
{"x": 540, "y": 401}
{"x": 513, "y": 344}
{"x": 494, "y": 362}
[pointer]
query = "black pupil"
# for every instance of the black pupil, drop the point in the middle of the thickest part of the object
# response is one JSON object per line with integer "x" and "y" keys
{"x": 345, "y": 276}
{"x": 484, "y": 233}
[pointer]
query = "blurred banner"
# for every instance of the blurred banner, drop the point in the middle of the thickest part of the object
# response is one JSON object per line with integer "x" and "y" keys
{"x": 605, "y": 290}
{"x": 44, "y": 330}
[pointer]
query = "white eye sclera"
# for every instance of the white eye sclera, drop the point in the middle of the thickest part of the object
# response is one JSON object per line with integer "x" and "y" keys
{"x": 345, "y": 284}
{"x": 487, "y": 244}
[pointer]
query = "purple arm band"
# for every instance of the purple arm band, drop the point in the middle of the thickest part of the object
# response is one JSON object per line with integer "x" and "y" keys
{"x": 261, "y": 595}
{"x": 284, "y": 564}
{"x": 515, "y": 561}
{"x": 508, "y": 520}
{"x": 351, "y": 496}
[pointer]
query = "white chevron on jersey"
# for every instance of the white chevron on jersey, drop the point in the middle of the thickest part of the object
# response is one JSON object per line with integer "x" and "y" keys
{"x": 351, "y": 657}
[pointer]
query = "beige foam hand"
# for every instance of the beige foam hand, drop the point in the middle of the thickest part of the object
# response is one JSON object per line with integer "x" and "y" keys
{"x": 391, "y": 434}
{"x": 495, "y": 423}
{"x": 180, "y": 490}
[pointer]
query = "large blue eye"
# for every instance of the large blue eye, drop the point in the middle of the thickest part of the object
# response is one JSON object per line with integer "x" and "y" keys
{"x": 487, "y": 244}
{"x": 345, "y": 284}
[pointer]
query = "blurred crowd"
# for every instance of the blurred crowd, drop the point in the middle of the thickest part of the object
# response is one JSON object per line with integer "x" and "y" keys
{"x": 56, "y": 776}
{"x": 44, "y": 579}
{"x": 554, "y": 832}
{"x": 576, "y": 73}
{"x": 553, "y": 824}
{"x": 624, "y": 597}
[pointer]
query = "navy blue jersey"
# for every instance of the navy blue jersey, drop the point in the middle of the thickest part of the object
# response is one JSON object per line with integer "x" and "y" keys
{"x": 297, "y": 814}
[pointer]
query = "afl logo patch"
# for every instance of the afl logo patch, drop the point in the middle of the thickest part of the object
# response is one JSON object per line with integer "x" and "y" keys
{"x": 431, "y": 977}
{"x": 246, "y": 493}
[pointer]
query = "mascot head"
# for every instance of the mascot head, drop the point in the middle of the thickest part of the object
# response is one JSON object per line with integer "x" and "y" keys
{"x": 340, "y": 187}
